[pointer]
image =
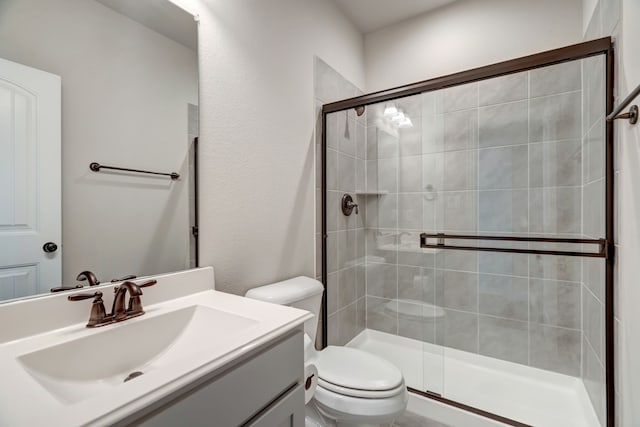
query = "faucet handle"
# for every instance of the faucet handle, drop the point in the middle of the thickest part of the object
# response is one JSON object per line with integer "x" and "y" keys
{"x": 98, "y": 315}
{"x": 65, "y": 288}
{"x": 148, "y": 283}
{"x": 79, "y": 297}
{"x": 123, "y": 278}
{"x": 135, "y": 303}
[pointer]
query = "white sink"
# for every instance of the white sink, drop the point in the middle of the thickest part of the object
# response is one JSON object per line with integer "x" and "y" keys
{"x": 73, "y": 375}
{"x": 81, "y": 368}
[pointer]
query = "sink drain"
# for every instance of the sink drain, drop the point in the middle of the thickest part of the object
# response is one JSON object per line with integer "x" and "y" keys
{"x": 133, "y": 375}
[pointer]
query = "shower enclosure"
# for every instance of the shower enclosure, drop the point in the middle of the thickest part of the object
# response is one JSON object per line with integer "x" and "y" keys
{"x": 479, "y": 256}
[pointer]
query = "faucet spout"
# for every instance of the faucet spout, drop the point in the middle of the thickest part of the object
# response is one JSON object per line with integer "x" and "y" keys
{"x": 89, "y": 277}
{"x": 119, "y": 309}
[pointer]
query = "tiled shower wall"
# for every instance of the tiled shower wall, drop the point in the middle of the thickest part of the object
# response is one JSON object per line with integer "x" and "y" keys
{"x": 345, "y": 174}
{"x": 503, "y": 156}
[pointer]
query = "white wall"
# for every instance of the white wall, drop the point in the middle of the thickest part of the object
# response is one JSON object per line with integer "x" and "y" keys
{"x": 257, "y": 175}
{"x": 467, "y": 34}
{"x": 627, "y": 287}
{"x": 588, "y": 7}
{"x": 619, "y": 18}
{"x": 125, "y": 91}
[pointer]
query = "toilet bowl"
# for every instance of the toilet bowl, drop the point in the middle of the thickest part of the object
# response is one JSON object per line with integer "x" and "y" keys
{"x": 355, "y": 388}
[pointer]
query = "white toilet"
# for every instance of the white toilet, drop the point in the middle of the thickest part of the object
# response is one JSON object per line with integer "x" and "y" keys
{"x": 355, "y": 388}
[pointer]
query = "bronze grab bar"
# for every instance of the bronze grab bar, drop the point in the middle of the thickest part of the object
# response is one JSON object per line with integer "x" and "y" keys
{"x": 94, "y": 166}
{"x": 603, "y": 251}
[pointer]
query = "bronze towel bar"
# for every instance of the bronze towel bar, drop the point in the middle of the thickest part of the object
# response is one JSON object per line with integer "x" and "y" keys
{"x": 94, "y": 166}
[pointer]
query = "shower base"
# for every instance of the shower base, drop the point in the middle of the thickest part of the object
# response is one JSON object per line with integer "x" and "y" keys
{"x": 529, "y": 395}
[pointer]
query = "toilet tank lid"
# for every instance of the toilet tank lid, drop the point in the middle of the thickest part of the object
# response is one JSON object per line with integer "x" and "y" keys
{"x": 287, "y": 291}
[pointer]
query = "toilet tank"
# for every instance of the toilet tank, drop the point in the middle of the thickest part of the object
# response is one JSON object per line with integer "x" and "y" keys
{"x": 300, "y": 292}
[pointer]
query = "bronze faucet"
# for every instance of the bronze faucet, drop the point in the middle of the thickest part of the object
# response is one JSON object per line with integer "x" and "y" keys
{"x": 99, "y": 317}
{"x": 119, "y": 311}
{"x": 85, "y": 275}
{"x": 89, "y": 277}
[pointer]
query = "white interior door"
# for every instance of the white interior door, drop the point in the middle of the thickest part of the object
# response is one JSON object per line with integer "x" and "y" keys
{"x": 30, "y": 189}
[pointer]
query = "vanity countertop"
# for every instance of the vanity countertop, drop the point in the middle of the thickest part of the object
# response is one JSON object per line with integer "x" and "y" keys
{"x": 38, "y": 399}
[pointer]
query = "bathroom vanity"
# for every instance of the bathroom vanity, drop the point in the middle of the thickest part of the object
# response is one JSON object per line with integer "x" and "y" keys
{"x": 196, "y": 357}
{"x": 264, "y": 390}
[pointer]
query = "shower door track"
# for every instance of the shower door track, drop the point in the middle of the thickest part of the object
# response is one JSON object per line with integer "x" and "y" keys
{"x": 437, "y": 397}
{"x": 602, "y": 46}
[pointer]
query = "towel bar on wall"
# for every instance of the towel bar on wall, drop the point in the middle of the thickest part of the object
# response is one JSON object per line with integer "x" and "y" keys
{"x": 94, "y": 166}
{"x": 632, "y": 114}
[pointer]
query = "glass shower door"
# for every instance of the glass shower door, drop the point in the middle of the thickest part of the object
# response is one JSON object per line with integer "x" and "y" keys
{"x": 394, "y": 222}
{"x": 480, "y": 249}
{"x": 518, "y": 179}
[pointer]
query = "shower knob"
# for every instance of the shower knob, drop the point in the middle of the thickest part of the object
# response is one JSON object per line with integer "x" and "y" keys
{"x": 348, "y": 206}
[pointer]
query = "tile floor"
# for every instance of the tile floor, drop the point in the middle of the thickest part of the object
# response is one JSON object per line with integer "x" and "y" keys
{"x": 409, "y": 419}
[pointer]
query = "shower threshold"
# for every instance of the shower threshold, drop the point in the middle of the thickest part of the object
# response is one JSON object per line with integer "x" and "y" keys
{"x": 528, "y": 395}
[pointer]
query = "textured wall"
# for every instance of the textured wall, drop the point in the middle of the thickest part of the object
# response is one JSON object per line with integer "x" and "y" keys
{"x": 619, "y": 18}
{"x": 467, "y": 34}
{"x": 257, "y": 197}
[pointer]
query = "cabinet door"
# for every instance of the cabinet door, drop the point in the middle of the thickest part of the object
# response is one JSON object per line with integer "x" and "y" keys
{"x": 288, "y": 411}
{"x": 236, "y": 396}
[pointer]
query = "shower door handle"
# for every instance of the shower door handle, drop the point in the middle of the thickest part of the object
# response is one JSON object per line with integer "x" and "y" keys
{"x": 441, "y": 238}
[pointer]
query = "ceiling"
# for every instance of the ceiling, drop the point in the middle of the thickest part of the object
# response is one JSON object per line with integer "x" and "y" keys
{"x": 372, "y": 15}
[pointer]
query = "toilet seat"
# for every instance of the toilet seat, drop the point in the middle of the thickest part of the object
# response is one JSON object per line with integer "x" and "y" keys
{"x": 355, "y": 373}
{"x": 365, "y": 394}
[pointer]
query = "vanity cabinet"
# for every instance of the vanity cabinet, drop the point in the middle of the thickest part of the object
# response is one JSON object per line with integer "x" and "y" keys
{"x": 264, "y": 389}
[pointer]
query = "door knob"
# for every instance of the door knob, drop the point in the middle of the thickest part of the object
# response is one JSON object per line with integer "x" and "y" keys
{"x": 49, "y": 247}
